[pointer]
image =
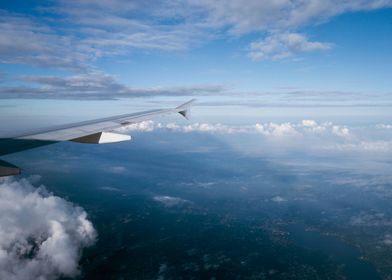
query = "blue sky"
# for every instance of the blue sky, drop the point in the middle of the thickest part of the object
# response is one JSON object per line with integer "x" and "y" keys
{"x": 109, "y": 49}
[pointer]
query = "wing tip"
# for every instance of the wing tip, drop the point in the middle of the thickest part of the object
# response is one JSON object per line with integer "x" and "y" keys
{"x": 184, "y": 109}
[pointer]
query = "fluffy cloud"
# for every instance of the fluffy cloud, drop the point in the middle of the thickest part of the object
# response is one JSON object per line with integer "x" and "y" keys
{"x": 341, "y": 131}
{"x": 304, "y": 128}
{"x": 41, "y": 235}
{"x": 287, "y": 129}
{"x": 148, "y": 126}
{"x": 278, "y": 130}
{"x": 325, "y": 137}
{"x": 205, "y": 127}
{"x": 279, "y": 46}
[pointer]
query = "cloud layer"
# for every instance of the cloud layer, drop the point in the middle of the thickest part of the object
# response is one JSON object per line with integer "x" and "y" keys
{"x": 325, "y": 137}
{"x": 75, "y": 35}
{"x": 94, "y": 85}
{"x": 90, "y": 30}
{"x": 41, "y": 235}
{"x": 279, "y": 46}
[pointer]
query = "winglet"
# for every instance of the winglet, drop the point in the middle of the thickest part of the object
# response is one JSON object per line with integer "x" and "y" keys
{"x": 184, "y": 109}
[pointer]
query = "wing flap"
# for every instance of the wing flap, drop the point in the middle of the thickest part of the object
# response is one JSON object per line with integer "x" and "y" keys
{"x": 102, "y": 138}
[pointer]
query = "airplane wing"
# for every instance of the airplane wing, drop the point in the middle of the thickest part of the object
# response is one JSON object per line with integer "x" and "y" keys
{"x": 98, "y": 131}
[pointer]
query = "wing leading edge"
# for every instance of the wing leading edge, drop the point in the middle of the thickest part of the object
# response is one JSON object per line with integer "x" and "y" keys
{"x": 92, "y": 132}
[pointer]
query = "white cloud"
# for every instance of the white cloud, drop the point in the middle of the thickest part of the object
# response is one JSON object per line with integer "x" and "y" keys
{"x": 25, "y": 41}
{"x": 148, "y": 126}
{"x": 341, "y": 131}
{"x": 277, "y": 130}
{"x": 264, "y": 15}
{"x": 308, "y": 134}
{"x": 111, "y": 28}
{"x": 313, "y": 126}
{"x": 279, "y": 46}
{"x": 145, "y": 126}
{"x": 41, "y": 235}
{"x": 95, "y": 85}
{"x": 170, "y": 201}
{"x": 206, "y": 127}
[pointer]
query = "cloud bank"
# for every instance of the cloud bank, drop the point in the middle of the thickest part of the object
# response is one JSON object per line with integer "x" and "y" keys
{"x": 41, "y": 235}
{"x": 321, "y": 137}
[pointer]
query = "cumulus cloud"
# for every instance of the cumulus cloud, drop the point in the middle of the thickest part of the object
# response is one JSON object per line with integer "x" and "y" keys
{"x": 279, "y": 46}
{"x": 304, "y": 128}
{"x": 148, "y": 126}
{"x": 307, "y": 134}
{"x": 341, "y": 131}
{"x": 278, "y": 130}
{"x": 313, "y": 126}
{"x": 41, "y": 235}
{"x": 271, "y": 129}
{"x": 206, "y": 127}
{"x": 285, "y": 129}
